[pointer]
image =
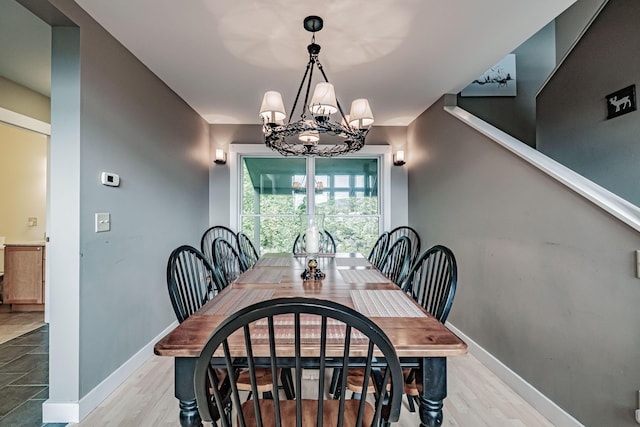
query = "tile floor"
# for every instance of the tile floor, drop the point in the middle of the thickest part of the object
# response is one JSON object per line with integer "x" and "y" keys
{"x": 24, "y": 379}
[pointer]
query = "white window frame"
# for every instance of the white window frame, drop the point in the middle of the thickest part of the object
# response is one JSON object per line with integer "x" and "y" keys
{"x": 236, "y": 151}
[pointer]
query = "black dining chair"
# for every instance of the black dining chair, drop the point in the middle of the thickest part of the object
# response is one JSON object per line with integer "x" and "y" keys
{"x": 191, "y": 280}
{"x": 338, "y": 329}
{"x": 227, "y": 259}
{"x": 247, "y": 251}
{"x": 327, "y": 244}
{"x": 412, "y": 235}
{"x": 397, "y": 260}
{"x": 376, "y": 256}
{"x": 432, "y": 283}
{"x": 211, "y": 234}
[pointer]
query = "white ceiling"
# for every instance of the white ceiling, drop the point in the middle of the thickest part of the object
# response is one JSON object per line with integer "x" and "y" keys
{"x": 220, "y": 56}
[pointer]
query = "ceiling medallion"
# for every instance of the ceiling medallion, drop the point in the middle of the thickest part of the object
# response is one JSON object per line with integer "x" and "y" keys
{"x": 314, "y": 133}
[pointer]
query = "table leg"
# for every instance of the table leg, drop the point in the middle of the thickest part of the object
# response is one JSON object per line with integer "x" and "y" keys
{"x": 434, "y": 390}
{"x": 184, "y": 369}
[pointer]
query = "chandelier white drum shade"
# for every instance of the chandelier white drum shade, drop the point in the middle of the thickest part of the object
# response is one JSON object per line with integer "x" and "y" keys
{"x": 315, "y": 133}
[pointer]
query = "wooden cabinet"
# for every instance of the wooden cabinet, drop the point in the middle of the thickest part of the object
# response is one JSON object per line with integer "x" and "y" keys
{"x": 23, "y": 285}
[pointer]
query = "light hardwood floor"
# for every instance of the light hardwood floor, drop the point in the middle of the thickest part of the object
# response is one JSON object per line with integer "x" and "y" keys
{"x": 13, "y": 325}
{"x": 476, "y": 398}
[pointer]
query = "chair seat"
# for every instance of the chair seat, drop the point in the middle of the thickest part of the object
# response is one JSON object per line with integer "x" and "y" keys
{"x": 411, "y": 388}
{"x": 355, "y": 379}
{"x": 264, "y": 380}
{"x": 309, "y": 413}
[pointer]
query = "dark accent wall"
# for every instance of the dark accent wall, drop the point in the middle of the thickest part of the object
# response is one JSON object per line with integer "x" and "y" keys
{"x": 572, "y": 22}
{"x": 572, "y": 109}
{"x": 132, "y": 124}
{"x": 546, "y": 279}
{"x": 516, "y": 115}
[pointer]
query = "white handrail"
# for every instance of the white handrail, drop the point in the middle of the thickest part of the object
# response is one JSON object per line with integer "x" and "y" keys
{"x": 605, "y": 199}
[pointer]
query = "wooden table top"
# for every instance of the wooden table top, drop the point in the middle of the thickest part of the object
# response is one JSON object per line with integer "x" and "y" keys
{"x": 350, "y": 280}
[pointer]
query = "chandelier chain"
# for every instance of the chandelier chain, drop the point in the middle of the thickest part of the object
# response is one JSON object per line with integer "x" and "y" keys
{"x": 306, "y": 96}
{"x": 319, "y": 65}
{"x": 306, "y": 71}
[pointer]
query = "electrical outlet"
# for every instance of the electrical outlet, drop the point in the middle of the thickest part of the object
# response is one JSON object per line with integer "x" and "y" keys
{"x": 32, "y": 221}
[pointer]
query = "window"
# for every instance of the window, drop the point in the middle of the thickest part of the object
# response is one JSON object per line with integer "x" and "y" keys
{"x": 272, "y": 199}
{"x": 349, "y": 200}
{"x": 276, "y": 190}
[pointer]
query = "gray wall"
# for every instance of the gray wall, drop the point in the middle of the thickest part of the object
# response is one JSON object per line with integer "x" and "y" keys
{"x": 121, "y": 119}
{"x": 546, "y": 279}
{"x": 572, "y": 22}
{"x": 224, "y": 135}
{"x": 572, "y": 110}
{"x": 535, "y": 59}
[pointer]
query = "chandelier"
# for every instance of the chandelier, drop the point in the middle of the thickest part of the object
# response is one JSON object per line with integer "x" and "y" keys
{"x": 303, "y": 136}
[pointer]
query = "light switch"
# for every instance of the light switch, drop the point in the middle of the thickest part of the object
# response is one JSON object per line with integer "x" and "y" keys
{"x": 103, "y": 222}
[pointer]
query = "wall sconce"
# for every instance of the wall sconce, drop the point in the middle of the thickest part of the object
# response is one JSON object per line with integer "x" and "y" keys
{"x": 221, "y": 157}
{"x": 398, "y": 158}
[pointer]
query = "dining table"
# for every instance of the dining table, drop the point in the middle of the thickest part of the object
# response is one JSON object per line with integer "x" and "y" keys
{"x": 420, "y": 340}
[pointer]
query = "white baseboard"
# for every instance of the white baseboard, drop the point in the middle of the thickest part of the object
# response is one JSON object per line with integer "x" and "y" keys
{"x": 74, "y": 412}
{"x": 545, "y": 406}
{"x": 60, "y": 412}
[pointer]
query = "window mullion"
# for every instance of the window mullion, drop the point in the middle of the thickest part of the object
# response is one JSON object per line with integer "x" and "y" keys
{"x": 311, "y": 185}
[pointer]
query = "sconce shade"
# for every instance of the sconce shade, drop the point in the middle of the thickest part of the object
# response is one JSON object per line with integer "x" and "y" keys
{"x": 272, "y": 109}
{"x": 360, "y": 116}
{"x": 398, "y": 158}
{"x": 221, "y": 157}
{"x": 323, "y": 103}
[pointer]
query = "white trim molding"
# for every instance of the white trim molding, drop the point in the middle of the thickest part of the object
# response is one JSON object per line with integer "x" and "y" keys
{"x": 25, "y": 122}
{"x": 611, "y": 203}
{"x": 545, "y": 406}
{"x": 74, "y": 412}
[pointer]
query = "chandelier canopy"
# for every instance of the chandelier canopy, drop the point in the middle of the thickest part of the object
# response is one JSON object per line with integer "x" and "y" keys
{"x": 314, "y": 133}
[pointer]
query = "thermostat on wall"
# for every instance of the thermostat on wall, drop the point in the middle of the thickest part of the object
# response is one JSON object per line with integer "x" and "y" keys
{"x": 110, "y": 179}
